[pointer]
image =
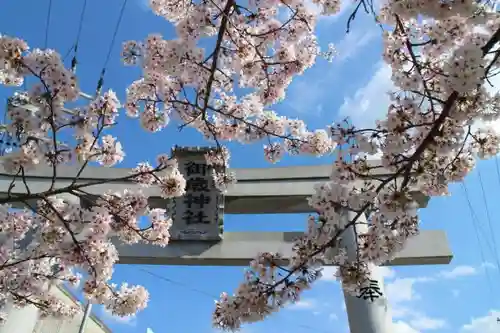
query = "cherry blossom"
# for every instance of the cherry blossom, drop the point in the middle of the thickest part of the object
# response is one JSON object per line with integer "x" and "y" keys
{"x": 255, "y": 48}
{"x": 442, "y": 55}
{"x": 62, "y": 232}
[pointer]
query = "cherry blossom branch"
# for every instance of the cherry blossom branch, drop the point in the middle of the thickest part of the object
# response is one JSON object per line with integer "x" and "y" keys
{"x": 412, "y": 139}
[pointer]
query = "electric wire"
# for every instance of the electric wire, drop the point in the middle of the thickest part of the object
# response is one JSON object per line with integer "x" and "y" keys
{"x": 66, "y": 55}
{"x": 80, "y": 25}
{"x": 488, "y": 217}
{"x": 212, "y": 296}
{"x": 74, "y": 60}
{"x": 180, "y": 284}
{"x": 497, "y": 168}
{"x": 475, "y": 224}
{"x": 475, "y": 218}
{"x": 115, "y": 33}
{"x": 100, "y": 82}
{"x": 47, "y": 24}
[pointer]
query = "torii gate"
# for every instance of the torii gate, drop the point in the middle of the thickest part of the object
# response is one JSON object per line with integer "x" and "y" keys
{"x": 197, "y": 236}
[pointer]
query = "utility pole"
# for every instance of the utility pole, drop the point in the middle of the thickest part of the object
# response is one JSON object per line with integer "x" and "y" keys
{"x": 86, "y": 315}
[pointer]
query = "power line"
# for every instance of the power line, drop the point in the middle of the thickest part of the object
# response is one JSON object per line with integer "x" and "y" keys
{"x": 80, "y": 25}
{"x": 47, "y": 24}
{"x": 212, "y": 296}
{"x": 497, "y": 167}
{"x": 180, "y": 284}
{"x": 115, "y": 33}
{"x": 74, "y": 60}
{"x": 108, "y": 56}
{"x": 475, "y": 218}
{"x": 475, "y": 224}
{"x": 488, "y": 216}
{"x": 66, "y": 55}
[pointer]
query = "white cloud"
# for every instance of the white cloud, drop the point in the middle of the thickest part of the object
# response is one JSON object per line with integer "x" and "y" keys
{"x": 303, "y": 305}
{"x": 458, "y": 271}
{"x": 403, "y": 327}
{"x": 328, "y": 273}
{"x": 488, "y": 265}
{"x": 401, "y": 294}
{"x": 399, "y": 310}
{"x": 403, "y": 297}
{"x": 423, "y": 322}
{"x": 305, "y": 95}
{"x": 486, "y": 324}
{"x": 316, "y": 84}
{"x": 387, "y": 272}
{"x": 415, "y": 321}
{"x": 401, "y": 289}
{"x": 148, "y": 330}
{"x": 369, "y": 103}
{"x": 464, "y": 270}
{"x": 353, "y": 42}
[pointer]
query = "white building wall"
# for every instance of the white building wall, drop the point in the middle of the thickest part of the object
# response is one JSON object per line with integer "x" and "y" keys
{"x": 26, "y": 320}
{"x": 20, "y": 320}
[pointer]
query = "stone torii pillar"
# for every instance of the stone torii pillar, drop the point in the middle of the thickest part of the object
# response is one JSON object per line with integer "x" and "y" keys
{"x": 276, "y": 190}
{"x": 365, "y": 315}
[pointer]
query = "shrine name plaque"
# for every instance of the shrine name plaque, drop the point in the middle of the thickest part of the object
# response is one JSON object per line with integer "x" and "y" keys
{"x": 198, "y": 215}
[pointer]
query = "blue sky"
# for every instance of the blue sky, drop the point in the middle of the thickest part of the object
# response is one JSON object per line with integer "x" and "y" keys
{"x": 461, "y": 297}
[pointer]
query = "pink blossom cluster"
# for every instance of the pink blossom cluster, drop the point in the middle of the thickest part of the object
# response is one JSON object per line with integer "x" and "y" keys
{"x": 259, "y": 46}
{"x": 442, "y": 54}
{"x": 63, "y": 233}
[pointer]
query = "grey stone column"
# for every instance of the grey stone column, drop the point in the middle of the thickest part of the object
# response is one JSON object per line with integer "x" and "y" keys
{"x": 365, "y": 316}
{"x": 86, "y": 315}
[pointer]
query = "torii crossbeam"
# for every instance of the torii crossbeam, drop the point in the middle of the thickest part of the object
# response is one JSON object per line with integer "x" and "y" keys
{"x": 277, "y": 190}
